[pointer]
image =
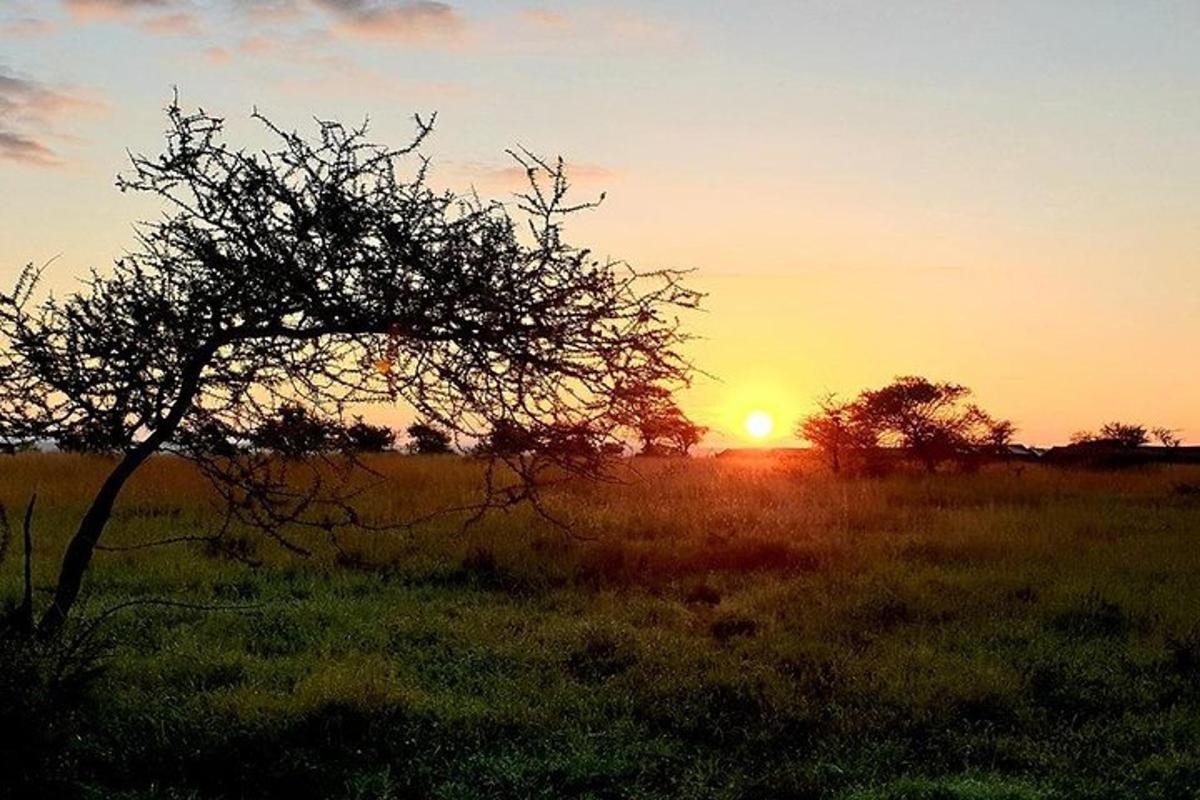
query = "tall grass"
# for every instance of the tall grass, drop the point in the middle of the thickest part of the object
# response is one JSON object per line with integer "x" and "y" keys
{"x": 712, "y": 628}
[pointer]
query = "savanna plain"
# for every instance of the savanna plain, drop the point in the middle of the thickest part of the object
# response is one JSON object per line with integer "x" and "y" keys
{"x": 708, "y": 628}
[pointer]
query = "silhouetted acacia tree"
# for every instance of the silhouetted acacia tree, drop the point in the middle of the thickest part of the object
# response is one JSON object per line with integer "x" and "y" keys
{"x": 89, "y": 436}
{"x": 1113, "y": 434}
{"x": 576, "y": 444}
{"x": 997, "y": 433}
{"x": 933, "y": 422}
{"x": 835, "y": 430}
{"x": 362, "y": 437}
{"x": 1124, "y": 434}
{"x": 427, "y": 440}
{"x": 293, "y": 431}
{"x": 1167, "y": 437}
{"x": 505, "y": 439}
{"x": 671, "y": 432}
{"x": 211, "y": 438}
{"x": 659, "y": 423}
{"x": 315, "y": 272}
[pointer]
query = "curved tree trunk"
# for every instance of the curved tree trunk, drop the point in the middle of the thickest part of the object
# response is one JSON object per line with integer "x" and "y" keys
{"x": 83, "y": 544}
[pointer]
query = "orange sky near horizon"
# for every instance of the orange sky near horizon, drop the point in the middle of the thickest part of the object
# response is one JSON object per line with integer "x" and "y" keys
{"x": 1001, "y": 195}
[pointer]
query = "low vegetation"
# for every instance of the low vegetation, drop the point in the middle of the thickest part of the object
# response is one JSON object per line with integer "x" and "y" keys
{"x": 716, "y": 628}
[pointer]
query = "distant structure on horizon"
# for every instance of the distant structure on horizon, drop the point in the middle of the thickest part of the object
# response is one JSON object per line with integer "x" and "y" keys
{"x": 1101, "y": 453}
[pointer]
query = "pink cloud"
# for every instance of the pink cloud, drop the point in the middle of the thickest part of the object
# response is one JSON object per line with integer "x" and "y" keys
{"x": 256, "y": 45}
{"x": 180, "y": 23}
{"x": 218, "y": 55}
{"x": 607, "y": 27}
{"x": 22, "y": 149}
{"x": 27, "y": 26}
{"x": 410, "y": 20}
{"x": 28, "y": 112}
{"x": 545, "y": 18}
{"x": 109, "y": 9}
{"x": 27, "y": 100}
{"x": 269, "y": 10}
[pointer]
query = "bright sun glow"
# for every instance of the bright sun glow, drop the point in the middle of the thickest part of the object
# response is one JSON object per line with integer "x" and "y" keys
{"x": 759, "y": 424}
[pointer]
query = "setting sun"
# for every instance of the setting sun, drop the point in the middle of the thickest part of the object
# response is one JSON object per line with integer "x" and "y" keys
{"x": 759, "y": 424}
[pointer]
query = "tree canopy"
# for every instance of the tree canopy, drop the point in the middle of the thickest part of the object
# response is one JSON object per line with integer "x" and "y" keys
{"x": 321, "y": 272}
{"x": 424, "y": 439}
{"x": 931, "y": 422}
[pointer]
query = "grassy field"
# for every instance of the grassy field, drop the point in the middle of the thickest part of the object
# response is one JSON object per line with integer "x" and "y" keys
{"x": 726, "y": 630}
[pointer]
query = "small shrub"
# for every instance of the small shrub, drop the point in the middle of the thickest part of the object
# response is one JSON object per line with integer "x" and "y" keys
{"x": 480, "y": 568}
{"x": 882, "y": 612}
{"x": 1023, "y": 594}
{"x": 1184, "y": 654}
{"x": 233, "y": 547}
{"x": 728, "y": 627}
{"x": 704, "y": 595}
{"x": 44, "y": 687}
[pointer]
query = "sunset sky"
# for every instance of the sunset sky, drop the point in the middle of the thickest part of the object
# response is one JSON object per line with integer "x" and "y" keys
{"x": 1003, "y": 194}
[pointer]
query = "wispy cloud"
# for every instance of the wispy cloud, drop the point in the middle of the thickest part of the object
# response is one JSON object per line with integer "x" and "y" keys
{"x": 29, "y": 111}
{"x": 22, "y": 149}
{"x": 161, "y": 17}
{"x": 218, "y": 55}
{"x": 26, "y": 26}
{"x": 411, "y": 21}
{"x": 399, "y": 20}
{"x": 108, "y": 9}
{"x": 305, "y": 49}
{"x": 610, "y": 26}
{"x": 179, "y": 23}
{"x": 269, "y": 10}
{"x": 546, "y": 19}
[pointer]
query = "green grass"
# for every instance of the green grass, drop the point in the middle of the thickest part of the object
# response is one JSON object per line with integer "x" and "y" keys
{"x": 726, "y": 630}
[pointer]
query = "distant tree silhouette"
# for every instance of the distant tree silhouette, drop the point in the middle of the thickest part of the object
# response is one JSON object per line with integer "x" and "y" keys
{"x": 1128, "y": 435}
{"x": 1114, "y": 434}
{"x": 506, "y": 439}
{"x": 835, "y": 429}
{"x": 997, "y": 433}
{"x": 362, "y": 437}
{"x": 316, "y": 273}
{"x": 427, "y": 440}
{"x": 1167, "y": 437}
{"x": 575, "y": 444}
{"x": 671, "y": 433}
{"x": 930, "y": 422}
{"x": 93, "y": 437}
{"x": 1124, "y": 434}
{"x": 933, "y": 422}
{"x": 296, "y": 432}
{"x": 660, "y": 424}
{"x": 212, "y": 439}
